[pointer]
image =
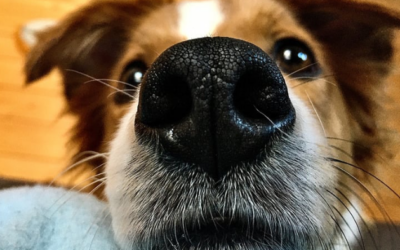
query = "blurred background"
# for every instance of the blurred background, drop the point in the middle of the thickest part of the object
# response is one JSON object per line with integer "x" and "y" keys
{"x": 34, "y": 131}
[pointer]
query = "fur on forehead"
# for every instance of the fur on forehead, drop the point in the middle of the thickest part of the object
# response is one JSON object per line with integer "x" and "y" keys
{"x": 260, "y": 22}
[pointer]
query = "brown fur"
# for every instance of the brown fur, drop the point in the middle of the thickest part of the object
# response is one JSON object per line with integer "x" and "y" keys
{"x": 353, "y": 44}
{"x": 106, "y": 28}
{"x": 361, "y": 60}
{"x": 114, "y": 34}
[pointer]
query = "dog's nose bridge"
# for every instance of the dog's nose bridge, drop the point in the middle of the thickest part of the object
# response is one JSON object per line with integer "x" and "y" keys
{"x": 214, "y": 103}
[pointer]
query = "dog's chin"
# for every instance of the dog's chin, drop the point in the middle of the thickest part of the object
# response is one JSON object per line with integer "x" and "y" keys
{"x": 228, "y": 233}
{"x": 188, "y": 210}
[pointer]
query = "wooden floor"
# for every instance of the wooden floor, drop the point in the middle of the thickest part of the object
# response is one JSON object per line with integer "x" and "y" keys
{"x": 33, "y": 133}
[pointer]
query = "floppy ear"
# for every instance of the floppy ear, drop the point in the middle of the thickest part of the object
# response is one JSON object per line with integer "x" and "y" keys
{"x": 89, "y": 41}
{"x": 357, "y": 39}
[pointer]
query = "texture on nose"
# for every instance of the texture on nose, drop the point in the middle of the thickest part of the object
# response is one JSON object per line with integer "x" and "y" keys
{"x": 215, "y": 103}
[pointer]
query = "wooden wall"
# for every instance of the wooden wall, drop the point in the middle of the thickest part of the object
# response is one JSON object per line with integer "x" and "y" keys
{"x": 33, "y": 133}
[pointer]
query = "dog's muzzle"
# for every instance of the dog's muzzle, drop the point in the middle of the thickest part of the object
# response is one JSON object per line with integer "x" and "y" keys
{"x": 215, "y": 103}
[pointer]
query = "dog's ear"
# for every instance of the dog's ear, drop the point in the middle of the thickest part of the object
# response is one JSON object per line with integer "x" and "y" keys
{"x": 358, "y": 43}
{"x": 89, "y": 41}
{"x": 87, "y": 44}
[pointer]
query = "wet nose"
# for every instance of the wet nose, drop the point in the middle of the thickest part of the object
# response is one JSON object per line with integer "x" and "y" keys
{"x": 213, "y": 103}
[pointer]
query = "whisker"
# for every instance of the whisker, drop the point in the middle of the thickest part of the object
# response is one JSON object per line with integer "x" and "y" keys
{"x": 316, "y": 113}
{"x": 348, "y": 141}
{"x": 382, "y": 210}
{"x": 344, "y": 140}
{"x": 356, "y": 145}
{"x": 88, "y": 152}
{"x": 305, "y": 67}
{"x": 334, "y": 219}
{"x": 367, "y": 206}
{"x": 126, "y": 91}
{"x": 341, "y": 151}
{"x": 351, "y": 157}
{"x": 58, "y": 176}
{"x": 51, "y": 211}
{"x": 341, "y": 229}
{"x": 99, "y": 81}
{"x": 368, "y": 173}
{"x": 368, "y": 192}
{"x": 312, "y": 77}
{"x": 70, "y": 195}
{"x": 312, "y": 80}
{"x": 100, "y": 180}
{"x": 286, "y": 134}
{"x": 323, "y": 245}
{"x": 102, "y": 183}
{"x": 82, "y": 188}
{"x": 359, "y": 215}
{"x": 116, "y": 81}
{"x": 361, "y": 240}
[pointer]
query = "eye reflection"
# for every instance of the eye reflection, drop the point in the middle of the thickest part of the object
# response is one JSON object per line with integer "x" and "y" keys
{"x": 130, "y": 79}
{"x": 295, "y": 58}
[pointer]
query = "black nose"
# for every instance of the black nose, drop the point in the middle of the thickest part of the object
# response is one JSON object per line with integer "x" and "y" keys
{"x": 215, "y": 103}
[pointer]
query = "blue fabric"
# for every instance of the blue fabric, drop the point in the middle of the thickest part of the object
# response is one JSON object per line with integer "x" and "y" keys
{"x": 41, "y": 218}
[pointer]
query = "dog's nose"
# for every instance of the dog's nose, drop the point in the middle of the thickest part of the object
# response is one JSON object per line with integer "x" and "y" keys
{"x": 215, "y": 103}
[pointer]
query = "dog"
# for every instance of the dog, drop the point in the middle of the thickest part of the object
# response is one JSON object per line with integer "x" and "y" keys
{"x": 234, "y": 124}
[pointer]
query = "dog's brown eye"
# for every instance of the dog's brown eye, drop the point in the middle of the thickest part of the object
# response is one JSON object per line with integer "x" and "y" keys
{"x": 130, "y": 79}
{"x": 295, "y": 58}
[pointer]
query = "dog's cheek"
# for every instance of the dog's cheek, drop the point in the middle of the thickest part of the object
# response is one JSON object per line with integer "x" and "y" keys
{"x": 121, "y": 154}
{"x": 325, "y": 102}
{"x": 117, "y": 172}
{"x": 321, "y": 174}
{"x": 311, "y": 134}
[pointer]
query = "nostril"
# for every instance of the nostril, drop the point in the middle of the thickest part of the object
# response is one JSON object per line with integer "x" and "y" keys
{"x": 166, "y": 102}
{"x": 244, "y": 96}
{"x": 259, "y": 94}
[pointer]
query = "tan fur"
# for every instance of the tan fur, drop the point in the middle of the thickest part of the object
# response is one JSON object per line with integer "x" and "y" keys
{"x": 351, "y": 41}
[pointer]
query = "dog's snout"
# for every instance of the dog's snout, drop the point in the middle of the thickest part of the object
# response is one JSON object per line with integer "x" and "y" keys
{"x": 215, "y": 103}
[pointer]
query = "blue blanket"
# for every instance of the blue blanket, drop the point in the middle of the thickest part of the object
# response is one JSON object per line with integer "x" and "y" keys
{"x": 41, "y": 218}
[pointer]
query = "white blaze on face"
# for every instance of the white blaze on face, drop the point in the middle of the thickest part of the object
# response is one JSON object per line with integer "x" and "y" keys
{"x": 199, "y": 19}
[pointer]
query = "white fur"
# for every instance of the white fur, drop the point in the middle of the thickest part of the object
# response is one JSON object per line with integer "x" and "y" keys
{"x": 29, "y": 32}
{"x": 199, "y": 19}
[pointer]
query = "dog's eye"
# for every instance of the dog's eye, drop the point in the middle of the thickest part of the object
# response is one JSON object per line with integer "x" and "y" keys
{"x": 295, "y": 58}
{"x": 130, "y": 79}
